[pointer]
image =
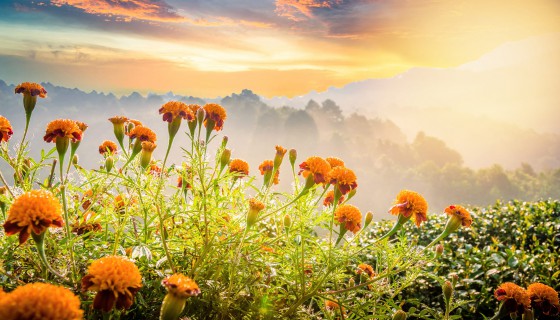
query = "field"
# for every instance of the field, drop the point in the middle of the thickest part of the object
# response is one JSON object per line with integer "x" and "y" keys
{"x": 142, "y": 238}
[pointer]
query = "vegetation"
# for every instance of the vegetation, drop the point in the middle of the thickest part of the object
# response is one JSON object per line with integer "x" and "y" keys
{"x": 514, "y": 241}
{"x": 145, "y": 238}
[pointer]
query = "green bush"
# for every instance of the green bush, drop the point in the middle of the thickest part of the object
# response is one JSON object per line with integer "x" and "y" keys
{"x": 515, "y": 241}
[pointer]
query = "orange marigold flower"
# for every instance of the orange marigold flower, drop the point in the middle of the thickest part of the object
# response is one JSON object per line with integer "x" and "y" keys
{"x": 180, "y": 286}
{"x": 365, "y": 268}
{"x": 509, "y": 290}
{"x": 216, "y": 113}
{"x": 81, "y": 125}
{"x": 155, "y": 170}
{"x": 316, "y": 166}
{"x": 194, "y": 108}
{"x": 63, "y": 128}
{"x": 120, "y": 202}
{"x": 6, "y": 130}
{"x": 267, "y": 249}
{"x": 143, "y": 134}
{"x": 108, "y": 147}
{"x": 116, "y": 280}
{"x": 38, "y": 301}
{"x": 544, "y": 298}
{"x": 148, "y": 146}
{"x": 329, "y": 199}
{"x": 266, "y": 166}
{"x": 335, "y": 162}
{"x": 33, "y": 211}
{"x": 343, "y": 178}
{"x": 118, "y": 119}
{"x": 83, "y": 228}
{"x": 31, "y": 89}
{"x": 350, "y": 216}
{"x": 332, "y": 306}
{"x": 239, "y": 166}
{"x": 174, "y": 109}
{"x": 460, "y": 213}
{"x": 255, "y": 206}
{"x": 410, "y": 203}
{"x": 136, "y": 123}
{"x": 280, "y": 151}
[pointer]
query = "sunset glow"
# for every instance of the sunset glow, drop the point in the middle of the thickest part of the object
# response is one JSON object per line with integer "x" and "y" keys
{"x": 282, "y": 47}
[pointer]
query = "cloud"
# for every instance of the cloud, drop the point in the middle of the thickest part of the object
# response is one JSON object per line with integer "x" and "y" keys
{"x": 299, "y": 10}
{"x": 158, "y": 11}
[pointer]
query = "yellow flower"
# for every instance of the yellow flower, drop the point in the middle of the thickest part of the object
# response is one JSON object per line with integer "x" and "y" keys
{"x": 216, "y": 114}
{"x": 329, "y": 199}
{"x": 108, "y": 147}
{"x": 143, "y": 134}
{"x": 174, "y": 109}
{"x": 39, "y": 301}
{"x": 317, "y": 167}
{"x": 6, "y": 130}
{"x": 544, "y": 298}
{"x": 239, "y": 166}
{"x": 411, "y": 204}
{"x": 33, "y": 211}
{"x": 335, "y": 162}
{"x": 365, "y": 268}
{"x": 343, "y": 178}
{"x": 181, "y": 286}
{"x": 460, "y": 213}
{"x": 63, "y": 128}
{"x": 116, "y": 280}
{"x": 349, "y": 216}
{"x": 509, "y": 290}
{"x": 31, "y": 89}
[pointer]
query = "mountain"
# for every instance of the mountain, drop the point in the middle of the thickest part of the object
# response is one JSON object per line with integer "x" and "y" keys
{"x": 491, "y": 110}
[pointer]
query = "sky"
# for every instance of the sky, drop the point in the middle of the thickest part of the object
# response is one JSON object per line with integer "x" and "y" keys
{"x": 211, "y": 48}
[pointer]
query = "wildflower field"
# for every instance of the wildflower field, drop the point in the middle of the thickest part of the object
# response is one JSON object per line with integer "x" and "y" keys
{"x": 211, "y": 238}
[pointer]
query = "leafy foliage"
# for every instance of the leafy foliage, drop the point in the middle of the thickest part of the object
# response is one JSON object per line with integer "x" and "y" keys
{"x": 514, "y": 241}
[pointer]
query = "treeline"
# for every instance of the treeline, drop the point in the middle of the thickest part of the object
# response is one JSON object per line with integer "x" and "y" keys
{"x": 378, "y": 151}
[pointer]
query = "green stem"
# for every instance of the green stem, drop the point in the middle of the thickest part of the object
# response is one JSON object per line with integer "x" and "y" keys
{"x": 69, "y": 242}
{"x": 40, "y": 244}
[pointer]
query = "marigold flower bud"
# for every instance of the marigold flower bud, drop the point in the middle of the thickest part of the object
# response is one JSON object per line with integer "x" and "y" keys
{"x": 399, "y": 315}
{"x": 293, "y": 156}
{"x": 75, "y": 159}
{"x": 287, "y": 221}
{"x": 369, "y": 218}
{"x": 255, "y": 206}
{"x": 439, "y": 250}
{"x": 447, "y": 289}
{"x": 224, "y": 159}
{"x": 109, "y": 163}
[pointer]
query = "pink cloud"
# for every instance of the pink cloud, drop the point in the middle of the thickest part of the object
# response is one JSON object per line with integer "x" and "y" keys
{"x": 298, "y": 10}
{"x": 126, "y": 10}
